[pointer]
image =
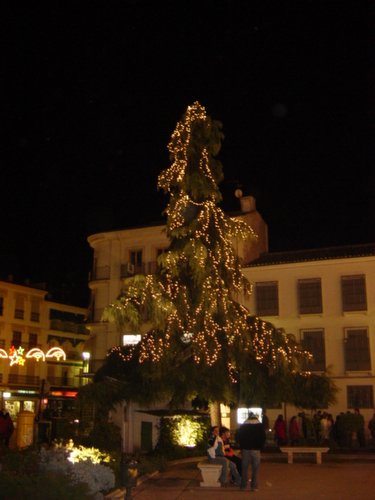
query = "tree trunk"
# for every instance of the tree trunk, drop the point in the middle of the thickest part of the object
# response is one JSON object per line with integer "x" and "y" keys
{"x": 215, "y": 413}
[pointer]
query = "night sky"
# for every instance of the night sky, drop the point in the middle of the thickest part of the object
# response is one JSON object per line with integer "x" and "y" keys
{"x": 90, "y": 97}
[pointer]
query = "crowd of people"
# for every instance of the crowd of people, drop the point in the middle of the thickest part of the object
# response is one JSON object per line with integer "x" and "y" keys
{"x": 322, "y": 428}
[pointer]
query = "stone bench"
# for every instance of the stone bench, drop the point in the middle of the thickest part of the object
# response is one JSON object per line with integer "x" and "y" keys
{"x": 292, "y": 450}
{"x": 210, "y": 473}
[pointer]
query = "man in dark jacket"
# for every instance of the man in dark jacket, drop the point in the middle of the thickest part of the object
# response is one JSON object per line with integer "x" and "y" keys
{"x": 251, "y": 437}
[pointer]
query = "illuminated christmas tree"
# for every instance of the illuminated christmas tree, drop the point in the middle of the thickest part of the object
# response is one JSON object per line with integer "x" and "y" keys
{"x": 197, "y": 338}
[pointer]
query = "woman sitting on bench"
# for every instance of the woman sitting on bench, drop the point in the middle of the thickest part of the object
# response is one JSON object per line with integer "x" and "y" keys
{"x": 228, "y": 450}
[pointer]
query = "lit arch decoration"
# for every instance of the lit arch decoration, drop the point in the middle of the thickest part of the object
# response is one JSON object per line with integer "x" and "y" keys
{"x": 36, "y": 353}
{"x": 56, "y": 352}
{"x": 17, "y": 356}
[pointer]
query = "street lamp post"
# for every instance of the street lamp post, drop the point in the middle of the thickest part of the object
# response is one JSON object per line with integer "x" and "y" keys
{"x": 86, "y": 364}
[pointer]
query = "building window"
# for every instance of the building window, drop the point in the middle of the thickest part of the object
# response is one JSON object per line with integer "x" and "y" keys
{"x": 34, "y": 316}
{"x": 19, "y": 310}
{"x": 151, "y": 267}
{"x": 17, "y": 339}
{"x": 267, "y": 298}
{"x": 313, "y": 341}
{"x": 35, "y": 310}
{"x": 353, "y": 293}
{"x": 310, "y": 296}
{"x": 33, "y": 340}
{"x": 135, "y": 258}
{"x": 357, "y": 350}
{"x": 19, "y": 313}
{"x": 360, "y": 396}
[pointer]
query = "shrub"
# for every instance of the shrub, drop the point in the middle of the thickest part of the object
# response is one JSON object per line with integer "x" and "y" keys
{"x": 195, "y": 429}
{"x": 81, "y": 465}
{"x": 104, "y": 435}
{"x": 67, "y": 471}
{"x": 22, "y": 477}
{"x": 41, "y": 485}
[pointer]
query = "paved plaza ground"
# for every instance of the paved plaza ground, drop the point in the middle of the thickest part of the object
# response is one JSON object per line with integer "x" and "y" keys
{"x": 339, "y": 477}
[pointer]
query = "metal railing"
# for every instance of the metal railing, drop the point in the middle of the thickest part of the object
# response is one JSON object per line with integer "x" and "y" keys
{"x": 63, "y": 381}
{"x": 16, "y": 379}
{"x": 74, "y": 356}
{"x": 68, "y": 326}
{"x": 127, "y": 269}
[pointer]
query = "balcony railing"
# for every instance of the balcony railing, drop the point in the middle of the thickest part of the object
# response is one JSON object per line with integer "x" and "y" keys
{"x": 74, "y": 356}
{"x": 16, "y": 379}
{"x": 63, "y": 381}
{"x": 68, "y": 326}
{"x": 128, "y": 269}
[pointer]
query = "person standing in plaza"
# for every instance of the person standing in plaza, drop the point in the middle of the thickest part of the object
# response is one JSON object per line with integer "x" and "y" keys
{"x": 294, "y": 434}
{"x": 6, "y": 427}
{"x": 280, "y": 431}
{"x": 251, "y": 437}
{"x": 371, "y": 428}
{"x": 361, "y": 428}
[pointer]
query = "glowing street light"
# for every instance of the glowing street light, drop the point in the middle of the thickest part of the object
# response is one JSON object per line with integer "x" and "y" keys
{"x": 86, "y": 359}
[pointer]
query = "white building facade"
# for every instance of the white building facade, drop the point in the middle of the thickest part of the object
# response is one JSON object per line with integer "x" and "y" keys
{"x": 325, "y": 298}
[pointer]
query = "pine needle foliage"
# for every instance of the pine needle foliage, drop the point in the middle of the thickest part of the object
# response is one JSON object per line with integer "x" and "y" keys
{"x": 197, "y": 339}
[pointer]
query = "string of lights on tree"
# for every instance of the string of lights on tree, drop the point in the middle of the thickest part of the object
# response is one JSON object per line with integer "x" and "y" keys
{"x": 188, "y": 305}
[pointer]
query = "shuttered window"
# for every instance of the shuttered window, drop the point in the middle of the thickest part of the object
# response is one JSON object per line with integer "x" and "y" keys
{"x": 360, "y": 396}
{"x": 267, "y": 298}
{"x": 357, "y": 350}
{"x": 310, "y": 296}
{"x": 313, "y": 341}
{"x": 354, "y": 293}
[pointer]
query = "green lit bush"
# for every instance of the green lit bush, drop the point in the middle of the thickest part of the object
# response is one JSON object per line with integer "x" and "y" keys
{"x": 182, "y": 436}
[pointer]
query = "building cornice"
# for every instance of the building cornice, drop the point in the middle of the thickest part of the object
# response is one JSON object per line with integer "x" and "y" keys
{"x": 317, "y": 254}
